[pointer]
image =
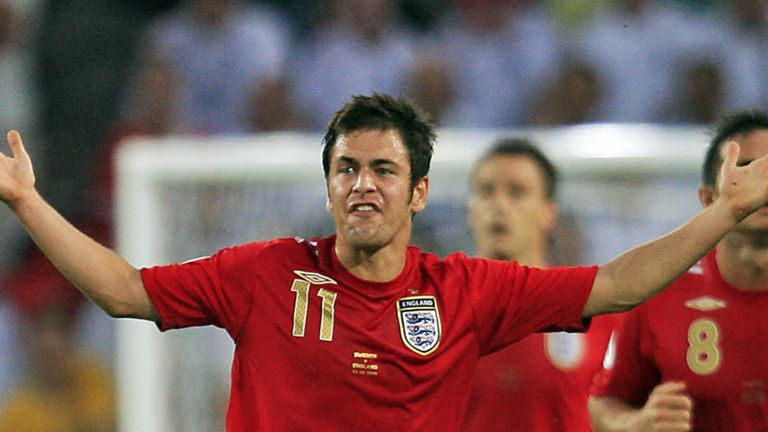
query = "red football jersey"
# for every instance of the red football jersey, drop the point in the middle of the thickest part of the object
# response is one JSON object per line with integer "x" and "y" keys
{"x": 540, "y": 383}
{"x": 320, "y": 349}
{"x": 705, "y": 333}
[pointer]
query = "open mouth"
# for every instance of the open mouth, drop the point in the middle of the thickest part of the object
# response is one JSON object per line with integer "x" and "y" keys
{"x": 363, "y": 208}
{"x": 498, "y": 228}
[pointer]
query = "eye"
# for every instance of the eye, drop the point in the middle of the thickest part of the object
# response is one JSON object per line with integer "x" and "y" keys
{"x": 516, "y": 192}
{"x": 347, "y": 170}
{"x": 485, "y": 191}
{"x": 384, "y": 171}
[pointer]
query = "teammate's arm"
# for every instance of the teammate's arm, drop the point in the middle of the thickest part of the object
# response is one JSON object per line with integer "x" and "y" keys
{"x": 102, "y": 275}
{"x": 667, "y": 409}
{"x": 645, "y": 270}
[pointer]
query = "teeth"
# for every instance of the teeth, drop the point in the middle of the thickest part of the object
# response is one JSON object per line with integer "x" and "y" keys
{"x": 364, "y": 207}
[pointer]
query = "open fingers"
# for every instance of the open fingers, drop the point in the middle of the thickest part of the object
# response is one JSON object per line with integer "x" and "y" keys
{"x": 730, "y": 155}
{"x": 17, "y": 146}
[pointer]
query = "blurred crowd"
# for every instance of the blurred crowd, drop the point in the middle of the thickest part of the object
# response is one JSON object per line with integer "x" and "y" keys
{"x": 77, "y": 77}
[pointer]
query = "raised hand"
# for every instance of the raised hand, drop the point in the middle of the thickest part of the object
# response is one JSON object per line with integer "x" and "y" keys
{"x": 745, "y": 188}
{"x": 667, "y": 409}
{"x": 17, "y": 179}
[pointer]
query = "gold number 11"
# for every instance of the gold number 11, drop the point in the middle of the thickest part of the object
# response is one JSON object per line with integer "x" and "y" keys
{"x": 301, "y": 288}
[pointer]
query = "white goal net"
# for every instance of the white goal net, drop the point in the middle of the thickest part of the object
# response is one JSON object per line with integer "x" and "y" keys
{"x": 180, "y": 198}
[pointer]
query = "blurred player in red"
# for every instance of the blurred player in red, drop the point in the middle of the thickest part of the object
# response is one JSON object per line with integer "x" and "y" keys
{"x": 359, "y": 330}
{"x": 540, "y": 383}
{"x": 695, "y": 357}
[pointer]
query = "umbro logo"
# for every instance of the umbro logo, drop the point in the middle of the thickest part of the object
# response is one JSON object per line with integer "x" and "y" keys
{"x": 706, "y": 303}
{"x": 314, "y": 278}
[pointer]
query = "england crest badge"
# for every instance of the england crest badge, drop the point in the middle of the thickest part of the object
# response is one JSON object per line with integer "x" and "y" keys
{"x": 419, "y": 323}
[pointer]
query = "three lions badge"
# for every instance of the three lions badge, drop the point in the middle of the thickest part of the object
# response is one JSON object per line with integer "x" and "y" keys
{"x": 419, "y": 323}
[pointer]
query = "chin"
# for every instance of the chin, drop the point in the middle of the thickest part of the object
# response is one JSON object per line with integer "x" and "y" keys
{"x": 504, "y": 257}
{"x": 366, "y": 239}
{"x": 500, "y": 255}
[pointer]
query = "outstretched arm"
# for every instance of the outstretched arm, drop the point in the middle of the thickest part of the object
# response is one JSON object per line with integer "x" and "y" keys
{"x": 102, "y": 275}
{"x": 667, "y": 409}
{"x": 640, "y": 273}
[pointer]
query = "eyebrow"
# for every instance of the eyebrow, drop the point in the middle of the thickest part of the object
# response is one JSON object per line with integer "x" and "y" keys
{"x": 375, "y": 162}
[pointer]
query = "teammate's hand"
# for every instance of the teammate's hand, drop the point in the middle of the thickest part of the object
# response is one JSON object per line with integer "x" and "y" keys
{"x": 17, "y": 180}
{"x": 745, "y": 188}
{"x": 667, "y": 409}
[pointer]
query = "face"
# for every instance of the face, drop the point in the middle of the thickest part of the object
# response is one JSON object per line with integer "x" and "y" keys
{"x": 369, "y": 190}
{"x": 509, "y": 212}
{"x": 753, "y": 145}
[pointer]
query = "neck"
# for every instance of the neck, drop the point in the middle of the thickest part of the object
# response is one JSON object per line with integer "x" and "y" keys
{"x": 742, "y": 258}
{"x": 374, "y": 264}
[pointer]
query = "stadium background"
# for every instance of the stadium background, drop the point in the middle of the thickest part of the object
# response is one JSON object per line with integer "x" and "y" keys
{"x": 77, "y": 77}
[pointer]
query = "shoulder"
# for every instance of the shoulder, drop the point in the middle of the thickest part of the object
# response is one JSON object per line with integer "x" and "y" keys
{"x": 276, "y": 249}
{"x": 462, "y": 259}
{"x": 469, "y": 271}
{"x": 458, "y": 261}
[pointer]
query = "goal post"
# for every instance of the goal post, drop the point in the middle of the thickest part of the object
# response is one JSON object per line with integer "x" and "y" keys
{"x": 183, "y": 197}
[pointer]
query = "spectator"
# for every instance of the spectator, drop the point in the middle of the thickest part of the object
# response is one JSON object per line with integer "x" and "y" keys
{"x": 633, "y": 47}
{"x": 499, "y": 52}
{"x": 221, "y": 52}
{"x": 699, "y": 94}
{"x": 149, "y": 111}
{"x": 272, "y": 107}
{"x": 430, "y": 84}
{"x": 740, "y": 53}
{"x": 574, "y": 96}
{"x": 361, "y": 49}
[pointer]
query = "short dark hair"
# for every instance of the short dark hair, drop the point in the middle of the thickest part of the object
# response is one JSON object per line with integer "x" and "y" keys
{"x": 383, "y": 112}
{"x": 516, "y": 146}
{"x": 729, "y": 126}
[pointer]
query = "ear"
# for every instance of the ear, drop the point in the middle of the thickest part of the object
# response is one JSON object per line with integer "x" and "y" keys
{"x": 707, "y": 195}
{"x": 548, "y": 218}
{"x": 419, "y": 196}
{"x": 328, "y": 203}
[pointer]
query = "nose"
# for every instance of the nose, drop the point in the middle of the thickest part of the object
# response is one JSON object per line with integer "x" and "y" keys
{"x": 500, "y": 202}
{"x": 365, "y": 182}
{"x": 498, "y": 199}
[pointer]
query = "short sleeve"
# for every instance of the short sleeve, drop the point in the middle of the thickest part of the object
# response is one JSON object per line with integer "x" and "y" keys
{"x": 628, "y": 372}
{"x": 215, "y": 290}
{"x": 513, "y": 301}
